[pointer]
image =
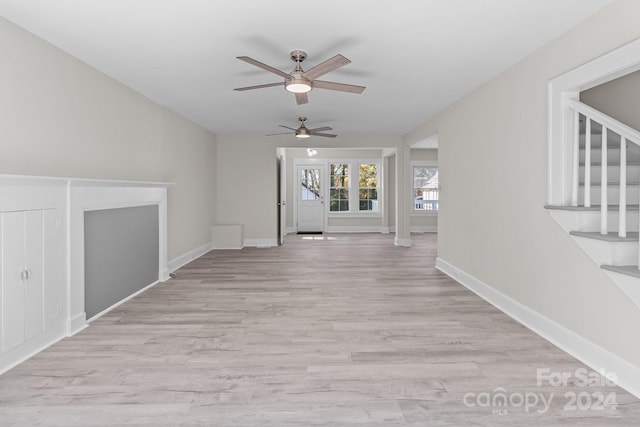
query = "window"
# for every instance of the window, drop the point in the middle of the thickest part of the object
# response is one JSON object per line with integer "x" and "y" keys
{"x": 354, "y": 187}
{"x": 368, "y": 188}
{"x": 425, "y": 188}
{"x": 309, "y": 184}
{"x": 339, "y": 188}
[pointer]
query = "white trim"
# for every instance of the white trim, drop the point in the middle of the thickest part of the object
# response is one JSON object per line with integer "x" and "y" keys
{"x": 184, "y": 259}
{"x": 260, "y": 243}
{"x": 360, "y": 215}
{"x": 22, "y": 353}
{"x": 406, "y": 243}
{"x": 77, "y": 323}
{"x": 591, "y": 354}
{"x": 84, "y": 182}
{"x": 122, "y": 301}
{"x": 612, "y": 65}
{"x": 171, "y": 267}
{"x": 356, "y": 229}
{"x": 418, "y": 214}
{"x": 106, "y": 194}
{"x": 423, "y": 229}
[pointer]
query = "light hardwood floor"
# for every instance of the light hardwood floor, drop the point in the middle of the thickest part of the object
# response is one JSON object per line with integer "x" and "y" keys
{"x": 332, "y": 330}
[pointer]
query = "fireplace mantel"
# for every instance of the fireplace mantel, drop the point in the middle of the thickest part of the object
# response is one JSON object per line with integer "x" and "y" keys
{"x": 73, "y": 197}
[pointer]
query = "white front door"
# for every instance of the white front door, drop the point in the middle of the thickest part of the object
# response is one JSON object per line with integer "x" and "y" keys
{"x": 310, "y": 199}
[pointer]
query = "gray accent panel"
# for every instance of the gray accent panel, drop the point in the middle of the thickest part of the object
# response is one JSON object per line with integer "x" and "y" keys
{"x": 121, "y": 252}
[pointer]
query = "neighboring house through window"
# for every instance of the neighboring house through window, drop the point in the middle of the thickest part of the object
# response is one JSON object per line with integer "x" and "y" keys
{"x": 425, "y": 188}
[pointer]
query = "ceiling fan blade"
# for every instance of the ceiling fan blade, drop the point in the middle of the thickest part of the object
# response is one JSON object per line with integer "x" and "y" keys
{"x": 274, "y": 134}
{"x": 326, "y": 66}
{"x": 338, "y": 86}
{"x": 259, "y": 86}
{"x": 287, "y": 127}
{"x": 328, "y": 135}
{"x": 263, "y": 66}
{"x": 320, "y": 129}
{"x": 302, "y": 98}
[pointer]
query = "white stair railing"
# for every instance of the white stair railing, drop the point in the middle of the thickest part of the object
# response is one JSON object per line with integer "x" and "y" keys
{"x": 627, "y": 134}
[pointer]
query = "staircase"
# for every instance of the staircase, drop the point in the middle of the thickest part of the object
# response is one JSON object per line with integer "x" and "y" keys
{"x": 603, "y": 213}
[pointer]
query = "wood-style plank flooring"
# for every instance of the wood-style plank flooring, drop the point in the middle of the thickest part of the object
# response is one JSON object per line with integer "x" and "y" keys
{"x": 333, "y": 330}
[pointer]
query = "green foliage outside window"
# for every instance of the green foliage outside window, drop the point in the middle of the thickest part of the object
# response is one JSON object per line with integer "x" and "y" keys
{"x": 339, "y": 188}
{"x": 368, "y": 188}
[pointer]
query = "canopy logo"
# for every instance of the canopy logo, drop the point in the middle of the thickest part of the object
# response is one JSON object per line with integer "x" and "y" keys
{"x": 499, "y": 400}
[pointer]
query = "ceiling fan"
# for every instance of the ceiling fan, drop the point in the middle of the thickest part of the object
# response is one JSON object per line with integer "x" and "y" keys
{"x": 299, "y": 81}
{"x": 305, "y": 132}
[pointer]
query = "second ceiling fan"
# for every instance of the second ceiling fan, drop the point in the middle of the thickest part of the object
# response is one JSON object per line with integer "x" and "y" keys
{"x": 305, "y": 132}
{"x": 299, "y": 81}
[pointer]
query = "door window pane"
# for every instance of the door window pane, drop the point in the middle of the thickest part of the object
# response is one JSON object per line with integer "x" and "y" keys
{"x": 309, "y": 184}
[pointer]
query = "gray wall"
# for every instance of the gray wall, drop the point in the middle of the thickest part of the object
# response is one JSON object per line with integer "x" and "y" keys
{"x": 493, "y": 163}
{"x": 121, "y": 254}
{"x": 619, "y": 98}
{"x": 61, "y": 117}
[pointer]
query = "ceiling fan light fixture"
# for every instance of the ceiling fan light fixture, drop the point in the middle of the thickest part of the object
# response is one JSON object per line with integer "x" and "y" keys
{"x": 298, "y": 84}
{"x": 302, "y": 133}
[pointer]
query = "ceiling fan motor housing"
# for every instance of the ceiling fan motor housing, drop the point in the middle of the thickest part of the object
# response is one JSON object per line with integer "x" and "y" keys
{"x": 298, "y": 55}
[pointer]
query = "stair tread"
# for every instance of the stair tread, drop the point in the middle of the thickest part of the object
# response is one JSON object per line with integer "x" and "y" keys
{"x": 609, "y": 184}
{"x": 610, "y": 163}
{"x": 590, "y": 208}
{"x": 632, "y": 236}
{"x": 629, "y": 270}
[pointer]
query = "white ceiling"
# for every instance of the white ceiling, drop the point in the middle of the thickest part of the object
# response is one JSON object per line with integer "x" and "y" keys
{"x": 415, "y": 57}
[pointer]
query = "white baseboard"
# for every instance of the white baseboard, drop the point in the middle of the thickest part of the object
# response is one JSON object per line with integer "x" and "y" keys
{"x": 402, "y": 242}
{"x": 165, "y": 275}
{"x": 122, "y": 301}
{"x": 355, "y": 229}
{"x": 77, "y": 323}
{"x": 27, "y": 350}
{"x": 80, "y": 322}
{"x": 182, "y": 260}
{"x": 260, "y": 243}
{"x": 423, "y": 229}
{"x": 589, "y": 353}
